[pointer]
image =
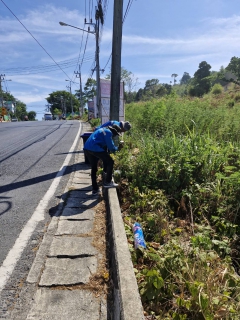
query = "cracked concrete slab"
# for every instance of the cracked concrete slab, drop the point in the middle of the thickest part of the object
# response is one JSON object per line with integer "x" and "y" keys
{"x": 75, "y": 202}
{"x": 85, "y": 173}
{"x": 72, "y": 246}
{"x": 77, "y": 213}
{"x": 66, "y": 271}
{"x": 66, "y": 304}
{"x": 74, "y": 227}
{"x": 84, "y": 181}
{"x": 79, "y": 186}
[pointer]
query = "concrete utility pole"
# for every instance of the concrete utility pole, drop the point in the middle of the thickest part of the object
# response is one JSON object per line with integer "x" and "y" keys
{"x": 116, "y": 59}
{"x": 1, "y": 92}
{"x": 48, "y": 107}
{"x": 96, "y": 31}
{"x": 70, "y": 87}
{"x": 98, "y": 73}
{"x": 78, "y": 75}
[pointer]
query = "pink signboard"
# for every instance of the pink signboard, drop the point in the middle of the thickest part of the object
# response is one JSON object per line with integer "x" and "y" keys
{"x": 106, "y": 88}
{"x": 90, "y": 109}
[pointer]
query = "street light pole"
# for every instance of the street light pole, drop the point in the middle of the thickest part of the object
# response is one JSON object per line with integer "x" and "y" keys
{"x": 96, "y": 32}
{"x": 69, "y": 25}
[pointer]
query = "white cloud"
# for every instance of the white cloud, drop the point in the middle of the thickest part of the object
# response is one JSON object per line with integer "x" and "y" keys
{"x": 213, "y": 40}
{"x": 219, "y": 35}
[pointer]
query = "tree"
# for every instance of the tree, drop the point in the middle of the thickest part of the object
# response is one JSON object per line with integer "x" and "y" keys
{"x": 57, "y": 111}
{"x": 174, "y": 75}
{"x": 130, "y": 81}
{"x": 203, "y": 71}
{"x": 89, "y": 90}
{"x": 185, "y": 78}
{"x": 139, "y": 95}
{"x": 164, "y": 89}
{"x": 201, "y": 82}
{"x": 130, "y": 96}
{"x": 59, "y": 99}
{"x": 32, "y": 115}
{"x": 20, "y": 107}
{"x": 234, "y": 67}
{"x": 150, "y": 85}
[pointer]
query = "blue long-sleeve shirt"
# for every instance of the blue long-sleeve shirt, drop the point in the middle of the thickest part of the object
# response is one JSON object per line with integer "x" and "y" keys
{"x": 109, "y": 123}
{"x": 99, "y": 140}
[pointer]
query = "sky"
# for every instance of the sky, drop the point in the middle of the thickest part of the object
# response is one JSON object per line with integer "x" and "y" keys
{"x": 159, "y": 38}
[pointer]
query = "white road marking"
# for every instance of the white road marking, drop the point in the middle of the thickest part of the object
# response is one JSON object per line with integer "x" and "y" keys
{"x": 20, "y": 244}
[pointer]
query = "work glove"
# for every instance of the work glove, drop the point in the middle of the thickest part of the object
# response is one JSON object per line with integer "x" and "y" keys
{"x": 121, "y": 145}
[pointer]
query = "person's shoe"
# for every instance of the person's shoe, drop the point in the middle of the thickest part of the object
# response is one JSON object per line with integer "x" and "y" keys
{"x": 104, "y": 176}
{"x": 110, "y": 184}
{"x": 95, "y": 192}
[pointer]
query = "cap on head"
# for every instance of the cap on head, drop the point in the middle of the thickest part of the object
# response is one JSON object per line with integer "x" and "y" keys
{"x": 115, "y": 129}
{"x": 125, "y": 125}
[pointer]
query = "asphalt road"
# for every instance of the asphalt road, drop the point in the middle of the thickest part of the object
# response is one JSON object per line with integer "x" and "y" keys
{"x": 31, "y": 155}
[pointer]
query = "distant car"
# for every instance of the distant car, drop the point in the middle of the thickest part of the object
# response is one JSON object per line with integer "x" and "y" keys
{"x": 48, "y": 116}
{"x": 14, "y": 120}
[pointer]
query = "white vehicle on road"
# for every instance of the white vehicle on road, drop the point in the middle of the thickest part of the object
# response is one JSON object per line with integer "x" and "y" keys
{"x": 48, "y": 116}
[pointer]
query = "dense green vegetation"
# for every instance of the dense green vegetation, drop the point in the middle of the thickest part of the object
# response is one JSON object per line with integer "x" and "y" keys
{"x": 202, "y": 82}
{"x": 180, "y": 179}
{"x": 20, "y": 107}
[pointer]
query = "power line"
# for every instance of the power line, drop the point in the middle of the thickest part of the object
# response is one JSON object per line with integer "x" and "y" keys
{"x": 35, "y": 38}
{"x": 127, "y": 9}
{"x": 84, "y": 49}
{"x": 124, "y": 18}
{"x": 44, "y": 68}
{"x": 79, "y": 54}
{"x": 80, "y": 65}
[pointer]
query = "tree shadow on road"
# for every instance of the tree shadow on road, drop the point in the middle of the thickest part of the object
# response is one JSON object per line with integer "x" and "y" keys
{"x": 5, "y": 205}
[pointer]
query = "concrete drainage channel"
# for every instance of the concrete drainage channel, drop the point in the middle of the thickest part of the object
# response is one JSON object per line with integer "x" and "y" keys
{"x": 127, "y": 303}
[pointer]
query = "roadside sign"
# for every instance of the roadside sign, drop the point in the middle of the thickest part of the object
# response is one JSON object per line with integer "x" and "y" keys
{"x": 4, "y": 111}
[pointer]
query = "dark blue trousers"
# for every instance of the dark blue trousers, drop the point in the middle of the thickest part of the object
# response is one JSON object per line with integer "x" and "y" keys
{"x": 108, "y": 163}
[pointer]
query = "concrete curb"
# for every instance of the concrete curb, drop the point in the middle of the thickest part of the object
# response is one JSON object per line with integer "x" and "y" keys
{"x": 127, "y": 303}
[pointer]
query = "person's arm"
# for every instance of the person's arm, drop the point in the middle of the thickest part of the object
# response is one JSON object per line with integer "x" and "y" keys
{"x": 109, "y": 141}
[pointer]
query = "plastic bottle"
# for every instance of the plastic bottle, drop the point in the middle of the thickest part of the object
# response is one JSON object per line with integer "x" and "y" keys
{"x": 138, "y": 236}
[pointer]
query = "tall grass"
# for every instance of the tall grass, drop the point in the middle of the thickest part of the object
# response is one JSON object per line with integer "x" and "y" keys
{"x": 181, "y": 180}
{"x": 176, "y": 115}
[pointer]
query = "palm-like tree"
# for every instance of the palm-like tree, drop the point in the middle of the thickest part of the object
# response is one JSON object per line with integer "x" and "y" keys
{"x": 174, "y": 75}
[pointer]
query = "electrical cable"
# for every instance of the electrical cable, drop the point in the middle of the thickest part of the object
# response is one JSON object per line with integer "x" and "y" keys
{"x": 84, "y": 50}
{"x": 6, "y": 86}
{"x": 44, "y": 68}
{"x": 79, "y": 55}
{"x": 127, "y": 9}
{"x": 34, "y": 38}
{"x": 124, "y": 18}
{"x": 105, "y": 7}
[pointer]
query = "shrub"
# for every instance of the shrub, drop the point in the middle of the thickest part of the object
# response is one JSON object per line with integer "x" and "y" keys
{"x": 217, "y": 89}
{"x": 230, "y": 103}
{"x": 237, "y": 97}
